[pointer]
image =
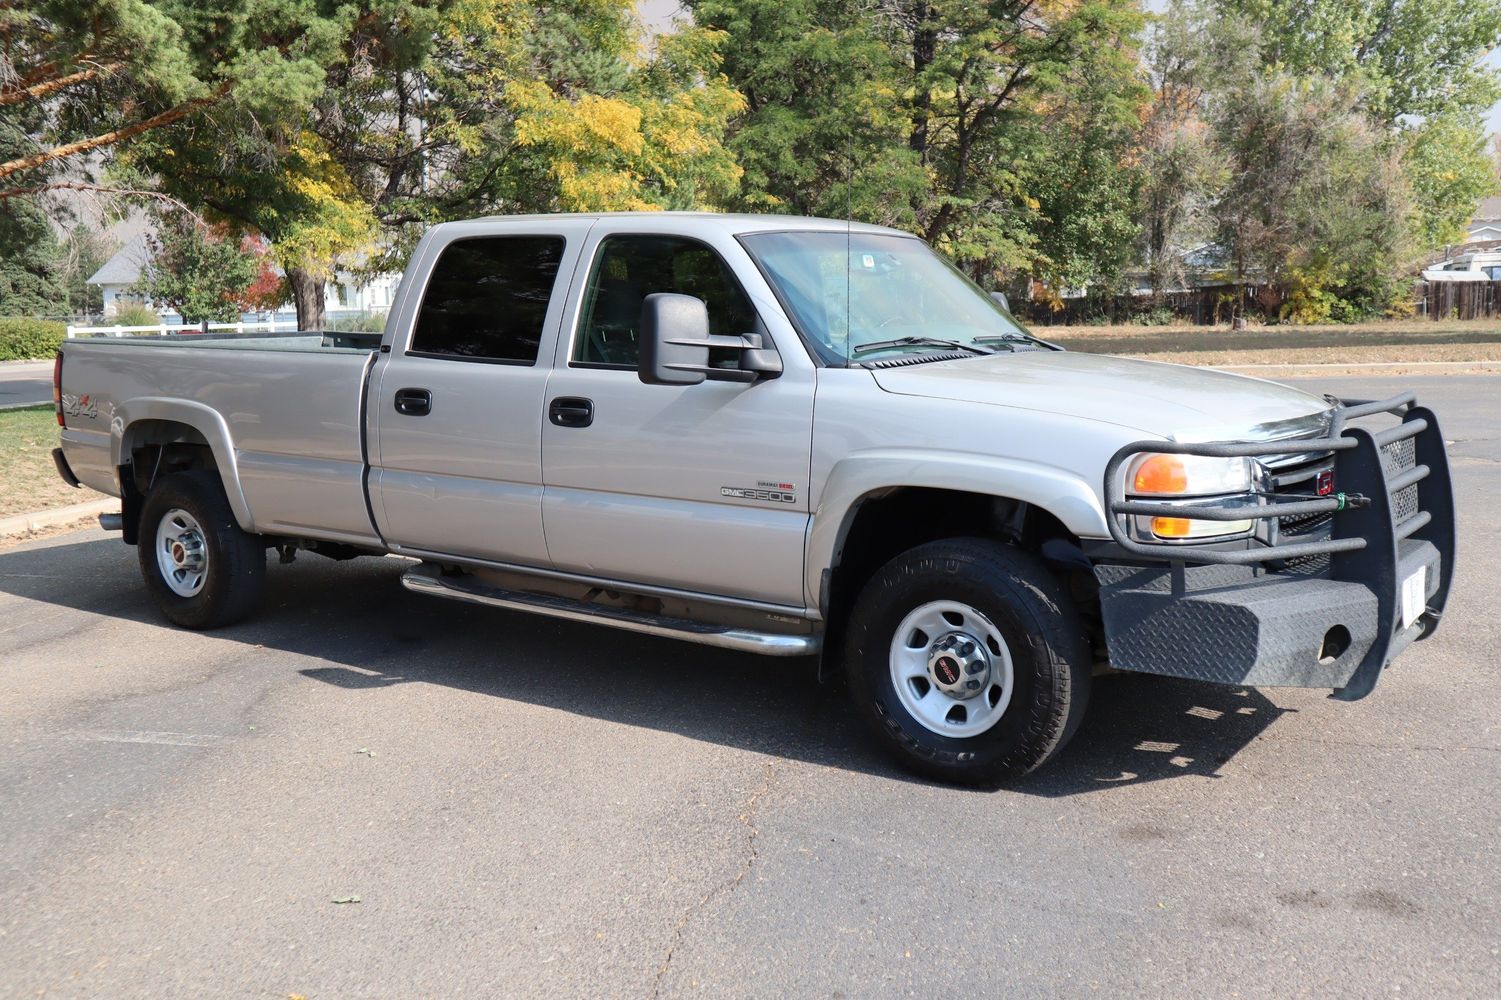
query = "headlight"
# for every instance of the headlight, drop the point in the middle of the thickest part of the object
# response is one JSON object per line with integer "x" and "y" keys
{"x": 1195, "y": 476}
{"x": 1189, "y": 476}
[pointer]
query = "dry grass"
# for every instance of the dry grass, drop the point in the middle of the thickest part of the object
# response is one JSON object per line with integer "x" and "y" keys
{"x": 28, "y": 479}
{"x": 1394, "y": 342}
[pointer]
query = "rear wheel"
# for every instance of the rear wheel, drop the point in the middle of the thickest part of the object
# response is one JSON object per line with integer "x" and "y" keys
{"x": 968, "y": 661}
{"x": 202, "y": 570}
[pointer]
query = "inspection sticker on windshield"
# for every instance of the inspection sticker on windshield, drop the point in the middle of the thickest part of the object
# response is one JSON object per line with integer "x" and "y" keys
{"x": 1414, "y": 596}
{"x": 868, "y": 261}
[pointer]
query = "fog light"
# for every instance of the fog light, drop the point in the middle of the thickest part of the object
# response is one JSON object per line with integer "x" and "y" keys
{"x": 1187, "y": 527}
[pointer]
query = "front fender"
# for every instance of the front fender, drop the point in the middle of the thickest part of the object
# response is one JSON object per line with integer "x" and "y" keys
{"x": 1066, "y": 496}
{"x": 203, "y": 419}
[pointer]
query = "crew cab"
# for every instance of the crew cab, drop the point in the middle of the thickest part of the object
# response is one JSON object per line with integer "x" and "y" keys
{"x": 790, "y": 437}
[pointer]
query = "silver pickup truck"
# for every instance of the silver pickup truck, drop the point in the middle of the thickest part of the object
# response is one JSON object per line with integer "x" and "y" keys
{"x": 789, "y": 437}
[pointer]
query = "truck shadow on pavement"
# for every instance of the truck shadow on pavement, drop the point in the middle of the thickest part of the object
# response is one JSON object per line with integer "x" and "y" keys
{"x": 371, "y": 633}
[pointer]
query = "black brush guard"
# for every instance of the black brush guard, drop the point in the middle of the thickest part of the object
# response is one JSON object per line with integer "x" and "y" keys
{"x": 1238, "y": 615}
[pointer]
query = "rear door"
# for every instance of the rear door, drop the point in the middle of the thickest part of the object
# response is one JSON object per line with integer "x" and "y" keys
{"x": 457, "y": 409}
{"x": 701, "y": 488}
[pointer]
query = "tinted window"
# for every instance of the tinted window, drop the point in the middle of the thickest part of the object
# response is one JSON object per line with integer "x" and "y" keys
{"x": 628, "y": 269}
{"x": 487, "y": 298}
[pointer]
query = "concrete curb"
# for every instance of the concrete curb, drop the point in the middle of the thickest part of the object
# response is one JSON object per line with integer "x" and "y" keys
{"x": 22, "y": 524}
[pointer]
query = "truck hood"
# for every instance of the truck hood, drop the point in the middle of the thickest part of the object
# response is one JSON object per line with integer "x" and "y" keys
{"x": 1170, "y": 401}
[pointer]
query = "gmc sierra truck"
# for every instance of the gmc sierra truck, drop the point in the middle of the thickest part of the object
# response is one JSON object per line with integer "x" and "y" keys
{"x": 790, "y": 437}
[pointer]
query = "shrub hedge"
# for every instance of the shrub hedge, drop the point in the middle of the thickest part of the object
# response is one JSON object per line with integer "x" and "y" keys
{"x": 29, "y": 339}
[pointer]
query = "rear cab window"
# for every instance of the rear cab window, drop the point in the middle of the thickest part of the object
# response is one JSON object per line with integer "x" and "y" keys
{"x": 486, "y": 300}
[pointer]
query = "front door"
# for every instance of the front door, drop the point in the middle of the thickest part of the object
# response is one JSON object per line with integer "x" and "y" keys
{"x": 701, "y": 488}
{"x": 457, "y": 410}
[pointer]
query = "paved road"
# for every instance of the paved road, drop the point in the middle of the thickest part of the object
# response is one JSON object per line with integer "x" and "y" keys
{"x": 25, "y": 384}
{"x": 534, "y": 810}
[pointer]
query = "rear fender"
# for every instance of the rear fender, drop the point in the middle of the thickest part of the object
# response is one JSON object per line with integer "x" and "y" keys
{"x": 207, "y": 422}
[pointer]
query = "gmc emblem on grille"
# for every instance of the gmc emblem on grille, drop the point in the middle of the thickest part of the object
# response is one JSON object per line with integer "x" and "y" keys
{"x": 1325, "y": 482}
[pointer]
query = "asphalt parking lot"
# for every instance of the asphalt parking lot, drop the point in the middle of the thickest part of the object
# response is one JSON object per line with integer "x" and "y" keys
{"x": 532, "y": 809}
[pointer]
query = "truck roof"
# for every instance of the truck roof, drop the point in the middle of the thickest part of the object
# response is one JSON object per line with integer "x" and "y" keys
{"x": 725, "y": 221}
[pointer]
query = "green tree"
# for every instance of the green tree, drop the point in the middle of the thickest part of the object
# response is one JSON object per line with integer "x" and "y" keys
{"x": 31, "y": 262}
{"x": 86, "y": 75}
{"x": 1450, "y": 169}
{"x": 982, "y": 76}
{"x": 1409, "y": 57}
{"x": 823, "y": 131}
{"x": 962, "y": 121}
{"x": 1316, "y": 208}
{"x": 1193, "y": 56}
{"x": 84, "y": 252}
{"x": 454, "y": 108}
{"x": 202, "y": 275}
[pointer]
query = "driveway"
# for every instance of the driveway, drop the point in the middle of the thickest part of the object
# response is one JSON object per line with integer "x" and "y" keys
{"x": 533, "y": 809}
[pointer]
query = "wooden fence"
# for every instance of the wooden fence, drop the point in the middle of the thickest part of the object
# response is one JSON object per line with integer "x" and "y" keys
{"x": 1459, "y": 299}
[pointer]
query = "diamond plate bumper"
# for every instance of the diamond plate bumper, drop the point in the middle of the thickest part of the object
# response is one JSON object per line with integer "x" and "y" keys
{"x": 1235, "y": 616}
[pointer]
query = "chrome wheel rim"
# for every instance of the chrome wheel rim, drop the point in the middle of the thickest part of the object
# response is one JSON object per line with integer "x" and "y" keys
{"x": 181, "y": 554}
{"x": 951, "y": 669}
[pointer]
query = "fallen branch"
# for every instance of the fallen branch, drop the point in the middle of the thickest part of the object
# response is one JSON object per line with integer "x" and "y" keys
{"x": 25, "y": 93}
{"x": 102, "y": 189}
{"x": 110, "y": 138}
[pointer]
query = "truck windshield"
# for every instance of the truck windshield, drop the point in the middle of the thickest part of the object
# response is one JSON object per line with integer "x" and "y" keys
{"x": 864, "y": 296}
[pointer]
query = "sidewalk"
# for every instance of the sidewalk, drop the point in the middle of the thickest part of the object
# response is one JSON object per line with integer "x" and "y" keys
{"x": 14, "y": 528}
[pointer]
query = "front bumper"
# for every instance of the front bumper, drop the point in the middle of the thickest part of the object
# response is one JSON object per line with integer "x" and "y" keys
{"x": 1240, "y": 616}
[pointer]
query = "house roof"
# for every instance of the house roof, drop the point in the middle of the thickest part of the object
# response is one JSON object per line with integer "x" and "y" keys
{"x": 1489, "y": 209}
{"x": 125, "y": 267}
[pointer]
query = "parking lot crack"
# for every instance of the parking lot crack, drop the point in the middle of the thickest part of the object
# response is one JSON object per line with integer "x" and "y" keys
{"x": 751, "y": 854}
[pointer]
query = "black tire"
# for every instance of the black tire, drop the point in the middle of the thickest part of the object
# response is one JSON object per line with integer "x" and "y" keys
{"x": 235, "y": 567}
{"x": 1043, "y": 635}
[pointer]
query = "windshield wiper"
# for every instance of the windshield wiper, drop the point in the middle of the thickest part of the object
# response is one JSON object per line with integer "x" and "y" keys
{"x": 952, "y": 345}
{"x": 1016, "y": 338}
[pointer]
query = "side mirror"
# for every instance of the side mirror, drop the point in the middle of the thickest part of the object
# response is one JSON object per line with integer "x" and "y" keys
{"x": 674, "y": 339}
{"x": 675, "y": 343}
{"x": 1000, "y": 298}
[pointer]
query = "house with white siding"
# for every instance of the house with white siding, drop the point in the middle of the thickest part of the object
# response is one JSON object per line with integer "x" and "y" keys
{"x": 347, "y": 294}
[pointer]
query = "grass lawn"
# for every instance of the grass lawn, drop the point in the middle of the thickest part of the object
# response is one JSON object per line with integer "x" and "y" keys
{"x": 28, "y": 479}
{"x": 1391, "y": 342}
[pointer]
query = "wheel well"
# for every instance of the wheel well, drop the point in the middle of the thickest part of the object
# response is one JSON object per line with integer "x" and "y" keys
{"x": 152, "y": 449}
{"x": 888, "y": 523}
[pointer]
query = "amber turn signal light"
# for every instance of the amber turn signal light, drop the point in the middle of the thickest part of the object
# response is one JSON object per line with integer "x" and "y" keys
{"x": 1161, "y": 474}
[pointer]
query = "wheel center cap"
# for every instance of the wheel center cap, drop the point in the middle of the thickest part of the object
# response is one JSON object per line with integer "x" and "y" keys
{"x": 958, "y": 665}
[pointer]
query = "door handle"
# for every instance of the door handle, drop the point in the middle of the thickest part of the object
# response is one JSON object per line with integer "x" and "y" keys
{"x": 414, "y": 402}
{"x": 571, "y": 411}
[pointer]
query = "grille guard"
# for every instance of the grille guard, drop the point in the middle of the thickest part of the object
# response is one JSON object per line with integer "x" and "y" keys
{"x": 1365, "y": 541}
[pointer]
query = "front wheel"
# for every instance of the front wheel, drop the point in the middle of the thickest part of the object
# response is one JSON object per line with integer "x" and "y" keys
{"x": 968, "y": 661}
{"x": 202, "y": 570}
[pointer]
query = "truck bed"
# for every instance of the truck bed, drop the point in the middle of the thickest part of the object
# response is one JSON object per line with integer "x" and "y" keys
{"x": 283, "y": 410}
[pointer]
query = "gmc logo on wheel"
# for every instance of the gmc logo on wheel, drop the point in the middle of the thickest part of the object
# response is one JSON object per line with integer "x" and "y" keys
{"x": 1325, "y": 482}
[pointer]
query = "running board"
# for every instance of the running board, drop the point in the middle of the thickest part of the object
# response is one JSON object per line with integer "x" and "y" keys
{"x": 428, "y": 579}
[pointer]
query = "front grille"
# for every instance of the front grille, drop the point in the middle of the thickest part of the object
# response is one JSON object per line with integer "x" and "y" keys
{"x": 1299, "y": 481}
{"x": 1398, "y": 457}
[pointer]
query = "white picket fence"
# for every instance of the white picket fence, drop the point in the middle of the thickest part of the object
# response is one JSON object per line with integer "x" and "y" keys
{"x": 164, "y": 329}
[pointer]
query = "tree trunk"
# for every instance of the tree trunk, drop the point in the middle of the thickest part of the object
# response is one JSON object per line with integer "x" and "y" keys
{"x": 307, "y": 296}
{"x": 924, "y": 48}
